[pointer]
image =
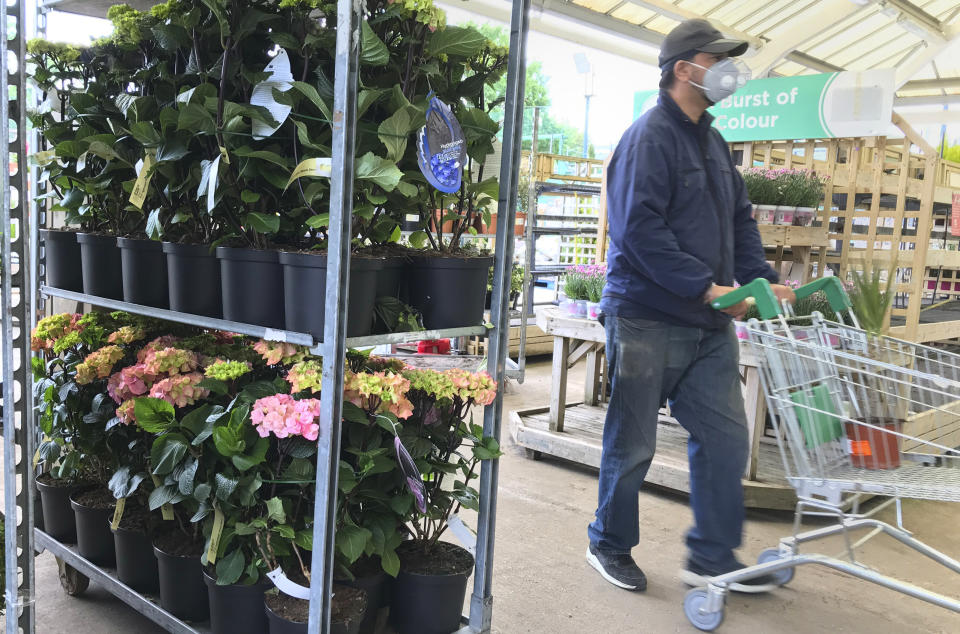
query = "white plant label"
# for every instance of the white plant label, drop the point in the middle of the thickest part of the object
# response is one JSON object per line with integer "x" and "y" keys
{"x": 280, "y": 79}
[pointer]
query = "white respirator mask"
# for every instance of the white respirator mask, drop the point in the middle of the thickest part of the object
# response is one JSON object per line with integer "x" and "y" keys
{"x": 723, "y": 79}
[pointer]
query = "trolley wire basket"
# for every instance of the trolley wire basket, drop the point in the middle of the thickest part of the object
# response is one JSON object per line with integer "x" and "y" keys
{"x": 853, "y": 413}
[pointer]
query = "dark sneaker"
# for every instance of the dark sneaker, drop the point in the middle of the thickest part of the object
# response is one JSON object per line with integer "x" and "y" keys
{"x": 620, "y": 570}
{"x": 697, "y": 576}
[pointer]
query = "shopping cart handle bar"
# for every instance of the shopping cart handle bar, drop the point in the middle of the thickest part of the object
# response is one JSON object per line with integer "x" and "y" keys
{"x": 760, "y": 290}
{"x": 832, "y": 287}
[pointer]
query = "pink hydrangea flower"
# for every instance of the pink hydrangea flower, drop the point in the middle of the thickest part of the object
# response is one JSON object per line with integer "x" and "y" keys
{"x": 170, "y": 361}
{"x": 284, "y": 416}
{"x": 379, "y": 391}
{"x": 274, "y": 352}
{"x": 126, "y": 334}
{"x": 166, "y": 341}
{"x": 129, "y": 382}
{"x": 180, "y": 390}
{"x": 305, "y": 375}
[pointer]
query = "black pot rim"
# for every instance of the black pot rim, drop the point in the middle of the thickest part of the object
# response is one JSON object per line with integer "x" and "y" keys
{"x": 77, "y": 505}
{"x": 93, "y": 238}
{"x": 120, "y": 529}
{"x": 319, "y": 261}
{"x": 247, "y": 255}
{"x": 265, "y": 583}
{"x": 199, "y": 250}
{"x": 44, "y": 485}
{"x": 139, "y": 243}
{"x": 465, "y": 573}
{"x": 59, "y": 233}
{"x": 452, "y": 262}
{"x": 156, "y": 550}
{"x": 271, "y": 613}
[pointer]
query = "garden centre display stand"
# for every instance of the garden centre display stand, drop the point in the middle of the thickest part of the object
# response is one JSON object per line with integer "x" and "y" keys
{"x": 574, "y": 431}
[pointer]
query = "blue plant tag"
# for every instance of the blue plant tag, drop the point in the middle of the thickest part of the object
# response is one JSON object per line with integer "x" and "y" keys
{"x": 441, "y": 148}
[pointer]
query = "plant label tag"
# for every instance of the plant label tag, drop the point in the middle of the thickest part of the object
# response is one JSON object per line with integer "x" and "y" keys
{"x": 280, "y": 79}
{"x": 275, "y": 335}
{"x": 215, "y": 534}
{"x": 463, "y": 534}
{"x": 144, "y": 174}
{"x": 118, "y": 514}
{"x": 225, "y": 155}
{"x": 289, "y": 588}
{"x": 441, "y": 148}
{"x": 319, "y": 167}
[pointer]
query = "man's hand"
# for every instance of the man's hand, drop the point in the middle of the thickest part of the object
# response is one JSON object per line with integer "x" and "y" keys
{"x": 737, "y": 311}
{"x": 783, "y": 293}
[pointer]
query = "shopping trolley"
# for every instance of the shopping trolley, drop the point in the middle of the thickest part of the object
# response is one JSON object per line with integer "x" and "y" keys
{"x": 854, "y": 414}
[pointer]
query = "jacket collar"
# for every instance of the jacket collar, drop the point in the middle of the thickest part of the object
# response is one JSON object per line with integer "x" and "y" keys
{"x": 668, "y": 104}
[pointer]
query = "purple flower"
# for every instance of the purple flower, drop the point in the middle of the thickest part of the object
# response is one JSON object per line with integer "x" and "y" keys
{"x": 411, "y": 473}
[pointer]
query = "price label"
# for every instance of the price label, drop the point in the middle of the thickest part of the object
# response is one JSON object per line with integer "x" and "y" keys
{"x": 215, "y": 536}
{"x": 139, "y": 194}
{"x": 118, "y": 514}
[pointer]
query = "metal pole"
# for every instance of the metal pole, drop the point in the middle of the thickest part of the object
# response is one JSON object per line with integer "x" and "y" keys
{"x": 526, "y": 308}
{"x": 16, "y": 317}
{"x": 349, "y": 14}
{"x": 481, "y": 602}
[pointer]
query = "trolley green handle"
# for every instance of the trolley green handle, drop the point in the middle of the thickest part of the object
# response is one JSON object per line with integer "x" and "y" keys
{"x": 832, "y": 287}
{"x": 769, "y": 306}
{"x": 760, "y": 290}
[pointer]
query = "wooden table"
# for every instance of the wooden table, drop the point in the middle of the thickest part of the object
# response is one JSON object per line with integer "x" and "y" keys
{"x": 575, "y": 338}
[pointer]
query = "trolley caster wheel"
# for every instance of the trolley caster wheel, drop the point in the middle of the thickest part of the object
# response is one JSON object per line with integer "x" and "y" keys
{"x": 693, "y": 603}
{"x": 782, "y": 577}
{"x": 532, "y": 454}
{"x": 72, "y": 580}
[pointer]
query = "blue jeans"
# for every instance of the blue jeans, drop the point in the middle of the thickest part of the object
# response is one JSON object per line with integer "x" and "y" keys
{"x": 650, "y": 362}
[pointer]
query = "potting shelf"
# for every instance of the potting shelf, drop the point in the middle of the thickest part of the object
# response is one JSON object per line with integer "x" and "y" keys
{"x": 142, "y": 603}
{"x": 270, "y": 334}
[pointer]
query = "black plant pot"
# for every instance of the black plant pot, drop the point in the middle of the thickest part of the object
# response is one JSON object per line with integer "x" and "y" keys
{"x": 59, "y": 520}
{"x": 252, "y": 283}
{"x": 236, "y": 609}
{"x": 193, "y": 275}
{"x": 62, "y": 255}
{"x": 38, "y": 511}
{"x": 102, "y": 275}
{"x": 280, "y": 625}
{"x": 428, "y": 604}
{"x": 305, "y": 287}
{"x": 182, "y": 591}
{"x": 136, "y": 564}
{"x": 377, "y": 588}
{"x": 144, "y": 272}
{"x": 390, "y": 279}
{"x": 94, "y": 539}
{"x": 448, "y": 291}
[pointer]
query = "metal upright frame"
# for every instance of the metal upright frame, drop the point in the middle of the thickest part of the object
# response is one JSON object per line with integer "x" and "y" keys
{"x": 19, "y": 482}
{"x": 18, "y": 440}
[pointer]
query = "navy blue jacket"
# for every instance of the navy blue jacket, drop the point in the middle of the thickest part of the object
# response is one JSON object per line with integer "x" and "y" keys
{"x": 679, "y": 220}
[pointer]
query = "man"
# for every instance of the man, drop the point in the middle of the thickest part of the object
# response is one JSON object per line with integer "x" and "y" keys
{"x": 681, "y": 233}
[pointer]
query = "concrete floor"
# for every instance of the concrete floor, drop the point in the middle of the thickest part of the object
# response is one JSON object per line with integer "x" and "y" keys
{"x": 542, "y": 583}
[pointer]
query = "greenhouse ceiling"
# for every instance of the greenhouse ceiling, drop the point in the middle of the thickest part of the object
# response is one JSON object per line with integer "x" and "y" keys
{"x": 919, "y": 38}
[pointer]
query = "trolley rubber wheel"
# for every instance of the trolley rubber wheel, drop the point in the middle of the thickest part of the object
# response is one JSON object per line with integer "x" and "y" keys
{"x": 72, "y": 580}
{"x": 782, "y": 577}
{"x": 704, "y": 621}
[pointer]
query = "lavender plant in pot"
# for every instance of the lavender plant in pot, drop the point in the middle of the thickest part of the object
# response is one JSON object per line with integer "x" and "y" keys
{"x": 764, "y": 192}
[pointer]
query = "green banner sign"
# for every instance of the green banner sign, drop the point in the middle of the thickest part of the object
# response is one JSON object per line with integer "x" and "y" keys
{"x": 830, "y": 105}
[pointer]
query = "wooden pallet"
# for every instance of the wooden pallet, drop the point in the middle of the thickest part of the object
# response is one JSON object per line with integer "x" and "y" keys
{"x": 581, "y": 442}
{"x": 538, "y": 343}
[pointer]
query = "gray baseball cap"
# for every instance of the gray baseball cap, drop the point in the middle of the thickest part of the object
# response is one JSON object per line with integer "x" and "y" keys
{"x": 700, "y": 36}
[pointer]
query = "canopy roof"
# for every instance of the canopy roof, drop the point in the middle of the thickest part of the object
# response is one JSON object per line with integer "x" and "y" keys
{"x": 920, "y": 38}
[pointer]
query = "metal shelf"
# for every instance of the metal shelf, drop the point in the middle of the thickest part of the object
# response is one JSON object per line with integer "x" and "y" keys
{"x": 270, "y": 334}
{"x": 144, "y": 604}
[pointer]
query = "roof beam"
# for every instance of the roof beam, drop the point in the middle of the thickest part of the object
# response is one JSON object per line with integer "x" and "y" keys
{"x": 918, "y": 16}
{"x": 553, "y": 18}
{"x": 670, "y": 10}
{"x": 927, "y": 100}
{"x": 913, "y": 64}
{"x": 801, "y": 31}
{"x": 946, "y": 83}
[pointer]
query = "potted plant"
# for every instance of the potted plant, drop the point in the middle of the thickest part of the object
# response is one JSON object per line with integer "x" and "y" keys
{"x": 435, "y": 444}
{"x": 57, "y": 70}
{"x": 577, "y": 284}
{"x": 802, "y": 193}
{"x": 764, "y": 192}
{"x": 74, "y": 450}
{"x": 872, "y": 442}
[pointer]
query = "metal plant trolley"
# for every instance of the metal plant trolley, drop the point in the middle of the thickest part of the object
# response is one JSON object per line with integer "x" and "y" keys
{"x": 18, "y": 426}
{"x": 573, "y": 431}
